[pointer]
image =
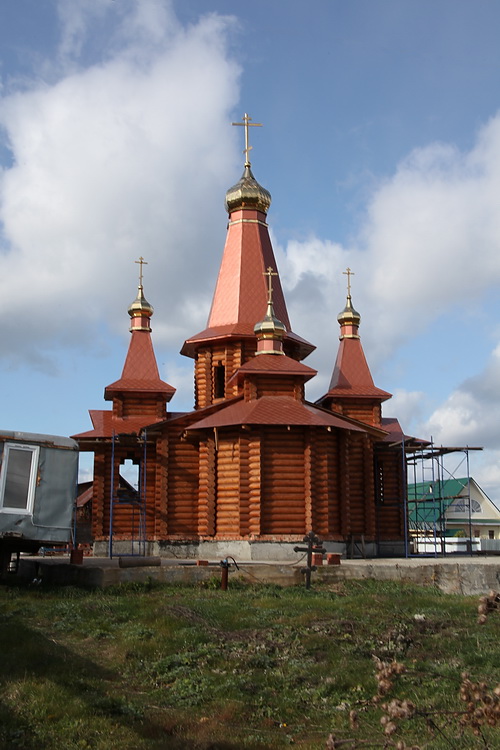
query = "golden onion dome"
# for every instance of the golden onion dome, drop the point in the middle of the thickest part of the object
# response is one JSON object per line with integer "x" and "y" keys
{"x": 247, "y": 193}
{"x": 140, "y": 306}
{"x": 349, "y": 316}
{"x": 270, "y": 326}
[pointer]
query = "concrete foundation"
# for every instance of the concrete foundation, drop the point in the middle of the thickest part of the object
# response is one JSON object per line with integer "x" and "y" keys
{"x": 462, "y": 575}
{"x": 263, "y": 551}
{"x": 257, "y": 551}
{"x": 469, "y": 576}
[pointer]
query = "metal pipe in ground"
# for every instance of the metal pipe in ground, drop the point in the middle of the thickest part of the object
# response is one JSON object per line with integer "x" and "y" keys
{"x": 224, "y": 575}
{"x": 225, "y": 572}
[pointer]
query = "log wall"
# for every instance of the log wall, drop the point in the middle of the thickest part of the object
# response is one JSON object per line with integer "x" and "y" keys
{"x": 232, "y": 356}
{"x": 359, "y": 489}
{"x": 161, "y": 484}
{"x": 203, "y": 378}
{"x": 227, "y": 522}
{"x": 272, "y": 386}
{"x": 356, "y": 486}
{"x": 254, "y": 484}
{"x": 268, "y": 481}
{"x": 207, "y": 487}
{"x": 390, "y": 485}
{"x": 325, "y": 483}
{"x": 133, "y": 406}
{"x": 364, "y": 410}
{"x": 283, "y": 482}
{"x": 182, "y": 488}
{"x": 244, "y": 483}
{"x": 345, "y": 483}
{"x": 136, "y": 404}
{"x": 150, "y": 490}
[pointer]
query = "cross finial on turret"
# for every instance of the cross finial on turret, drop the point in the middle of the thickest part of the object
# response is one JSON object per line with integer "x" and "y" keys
{"x": 269, "y": 273}
{"x": 270, "y": 331}
{"x": 142, "y": 263}
{"x": 247, "y": 123}
{"x": 348, "y": 273}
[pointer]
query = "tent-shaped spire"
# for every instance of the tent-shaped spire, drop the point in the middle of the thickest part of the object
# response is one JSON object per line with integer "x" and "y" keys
{"x": 140, "y": 371}
{"x": 241, "y": 294}
{"x": 351, "y": 378}
{"x": 140, "y": 396}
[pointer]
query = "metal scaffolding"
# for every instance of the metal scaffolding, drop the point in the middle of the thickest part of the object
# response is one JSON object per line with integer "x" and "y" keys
{"x": 428, "y": 497}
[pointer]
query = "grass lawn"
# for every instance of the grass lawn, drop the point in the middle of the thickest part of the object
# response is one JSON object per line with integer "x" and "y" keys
{"x": 358, "y": 664}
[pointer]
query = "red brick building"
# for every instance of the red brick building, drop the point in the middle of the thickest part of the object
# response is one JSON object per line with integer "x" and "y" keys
{"x": 254, "y": 466}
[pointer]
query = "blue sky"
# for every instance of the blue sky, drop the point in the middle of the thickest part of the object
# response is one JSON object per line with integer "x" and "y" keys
{"x": 381, "y": 149}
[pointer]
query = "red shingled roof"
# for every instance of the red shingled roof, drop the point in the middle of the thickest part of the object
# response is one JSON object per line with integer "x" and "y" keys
{"x": 395, "y": 434}
{"x": 140, "y": 371}
{"x": 351, "y": 375}
{"x": 275, "y": 410}
{"x": 394, "y": 431}
{"x": 107, "y": 425}
{"x": 240, "y": 298}
{"x": 278, "y": 364}
{"x": 238, "y": 331}
{"x": 241, "y": 291}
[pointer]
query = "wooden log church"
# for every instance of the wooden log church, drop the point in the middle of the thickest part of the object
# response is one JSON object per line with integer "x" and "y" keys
{"x": 254, "y": 466}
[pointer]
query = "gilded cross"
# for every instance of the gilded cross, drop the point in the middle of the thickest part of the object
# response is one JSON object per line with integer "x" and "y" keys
{"x": 142, "y": 263}
{"x": 269, "y": 273}
{"x": 348, "y": 273}
{"x": 247, "y": 123}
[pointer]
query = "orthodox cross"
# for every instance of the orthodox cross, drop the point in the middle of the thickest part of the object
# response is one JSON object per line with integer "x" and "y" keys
{"x": 142, "y": 263}
{"x": 313, "y": 545}
{"x": 348, "y": 273}
{"x": 269, "y": 273}
{"x": 247, "y": 123}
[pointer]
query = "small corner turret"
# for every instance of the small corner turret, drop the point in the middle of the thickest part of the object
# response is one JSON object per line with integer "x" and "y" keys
{"x": 140, "y": 382}
{"x": 352, "y": 391}
{"x": 140, "y": 310}
{"x": 349, "y": 319}
{"x": 270, "y": 331}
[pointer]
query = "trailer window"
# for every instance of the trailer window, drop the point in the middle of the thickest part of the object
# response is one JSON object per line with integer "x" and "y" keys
{"x": 18, "y": 478}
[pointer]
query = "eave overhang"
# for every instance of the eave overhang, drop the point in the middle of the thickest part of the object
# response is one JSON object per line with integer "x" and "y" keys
{"x": 239, "y": 332}
{"x": 275, "y": 410}
{"x": 274, "y": 365}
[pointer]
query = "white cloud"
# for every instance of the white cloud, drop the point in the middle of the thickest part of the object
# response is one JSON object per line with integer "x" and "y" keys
{"x": 109, "y": 163}
{"x": 430, "y": 241}
{"x": 487, "y": 467}
{"x": 409, "y": 407}
{"x": 433, "y": 234}
{"x": 456, "y": 421}
{"x": 471, "y": 414}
